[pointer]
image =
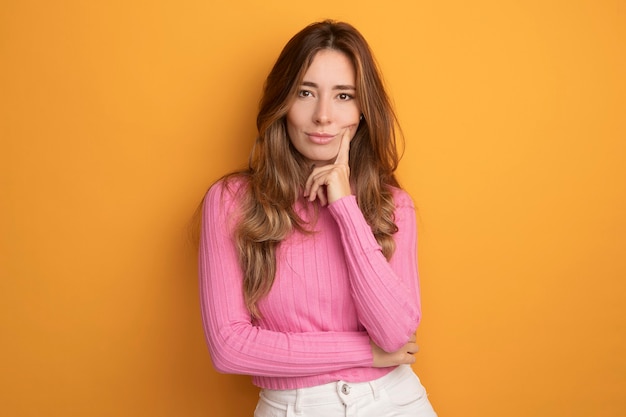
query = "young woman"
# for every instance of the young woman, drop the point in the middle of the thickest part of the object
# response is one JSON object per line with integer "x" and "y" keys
{"x": 308, "y": 273}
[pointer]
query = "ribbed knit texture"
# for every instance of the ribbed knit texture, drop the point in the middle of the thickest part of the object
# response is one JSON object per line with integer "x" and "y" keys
{"x": 334, "y": 291}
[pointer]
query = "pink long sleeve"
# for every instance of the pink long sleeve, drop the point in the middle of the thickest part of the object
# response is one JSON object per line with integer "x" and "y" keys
{"x": 386, "y": 294}
{"x": 314, "y": 327}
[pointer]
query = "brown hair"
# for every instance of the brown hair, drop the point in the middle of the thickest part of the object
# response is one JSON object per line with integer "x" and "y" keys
{"x": 277, "y": 172}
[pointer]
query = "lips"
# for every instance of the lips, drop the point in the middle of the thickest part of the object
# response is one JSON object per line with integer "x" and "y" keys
{"x": 320, "y": 138}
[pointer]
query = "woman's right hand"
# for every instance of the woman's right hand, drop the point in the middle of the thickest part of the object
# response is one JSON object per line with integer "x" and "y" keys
{"x": 402, "y": 356}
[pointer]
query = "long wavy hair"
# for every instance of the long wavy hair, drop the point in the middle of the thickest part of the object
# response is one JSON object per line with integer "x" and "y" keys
{"x": 277, "y": 172}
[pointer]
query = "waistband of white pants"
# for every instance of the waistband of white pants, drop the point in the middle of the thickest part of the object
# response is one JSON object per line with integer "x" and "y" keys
{"x": 328, "y": 393}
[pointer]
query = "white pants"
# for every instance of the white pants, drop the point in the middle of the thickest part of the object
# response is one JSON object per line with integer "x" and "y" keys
{"x": 397, "y": 394}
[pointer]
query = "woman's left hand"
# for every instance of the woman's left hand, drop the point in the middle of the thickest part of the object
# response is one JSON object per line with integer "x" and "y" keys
{"x": 331, "y": 182}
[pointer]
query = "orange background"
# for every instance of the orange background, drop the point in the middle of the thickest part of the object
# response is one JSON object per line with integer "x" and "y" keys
{"x": 116, "y": 116}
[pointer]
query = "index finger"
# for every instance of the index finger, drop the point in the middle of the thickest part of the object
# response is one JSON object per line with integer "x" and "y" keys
{"x": 343, "y": 156}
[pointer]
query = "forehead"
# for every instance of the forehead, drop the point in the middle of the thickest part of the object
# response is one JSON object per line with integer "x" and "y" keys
{"x": 331, "y": 66}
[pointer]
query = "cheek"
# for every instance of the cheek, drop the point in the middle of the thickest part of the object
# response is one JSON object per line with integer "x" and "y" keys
{"x": 291, "y": 127}
{"x": 296, "y": 115}
{"x": 352, "y": 115}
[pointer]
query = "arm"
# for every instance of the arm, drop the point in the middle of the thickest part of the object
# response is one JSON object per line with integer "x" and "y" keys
{"x": 235, "y": 343}
{"x": 386, "y": 293}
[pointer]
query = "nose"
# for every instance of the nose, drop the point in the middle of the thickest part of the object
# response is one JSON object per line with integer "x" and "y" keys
{"x": 322, "y": 114}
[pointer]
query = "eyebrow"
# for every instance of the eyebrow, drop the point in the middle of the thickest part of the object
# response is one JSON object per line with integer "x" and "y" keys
{"x": 336, "y": 87}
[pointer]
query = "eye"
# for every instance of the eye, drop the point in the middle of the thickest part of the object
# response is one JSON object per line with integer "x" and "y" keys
{"x": 345, "y": 97}
{"x": 304, "y": 93}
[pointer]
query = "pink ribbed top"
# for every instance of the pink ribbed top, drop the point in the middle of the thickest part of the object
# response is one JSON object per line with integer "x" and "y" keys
{"x": 334, "y": 290}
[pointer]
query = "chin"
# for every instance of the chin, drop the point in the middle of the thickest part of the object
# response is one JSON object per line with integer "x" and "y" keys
{"x": 320, "y": 159}
{"x": 323, "y": 156}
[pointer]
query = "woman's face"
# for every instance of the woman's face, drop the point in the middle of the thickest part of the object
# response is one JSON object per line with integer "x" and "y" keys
{"x": 325, "y": 107}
